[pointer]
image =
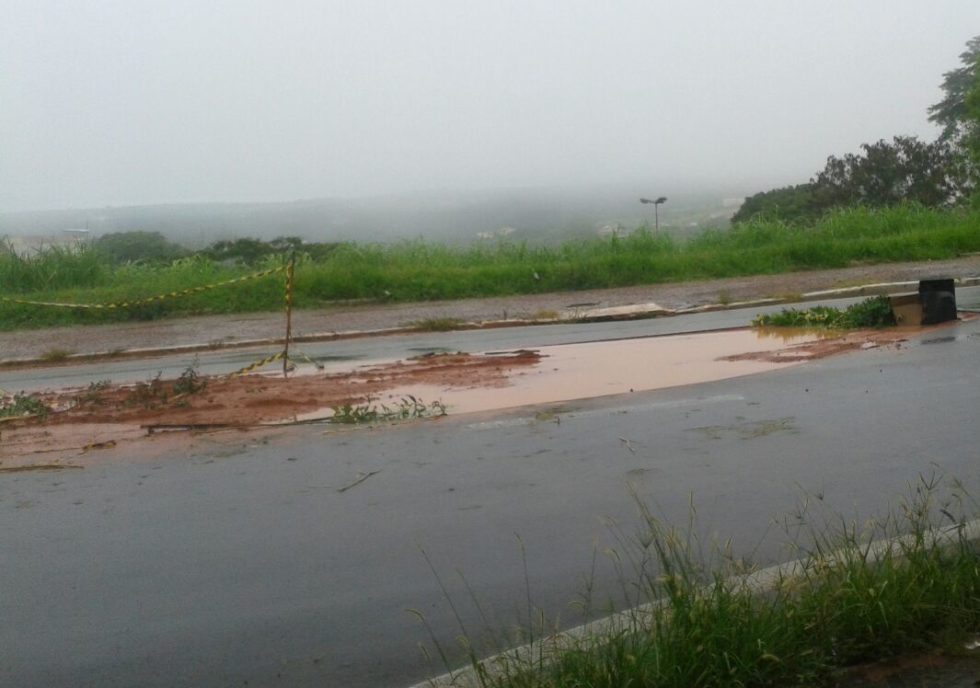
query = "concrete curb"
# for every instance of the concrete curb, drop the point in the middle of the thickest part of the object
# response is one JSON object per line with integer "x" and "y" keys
{"x": 574, "y": 315}
{"x": 761, "y": 582}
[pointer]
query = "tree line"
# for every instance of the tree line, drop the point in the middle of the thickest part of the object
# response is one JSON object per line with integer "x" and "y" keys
{"x": 943, "y": 173}
{"x": 154, "y": 248}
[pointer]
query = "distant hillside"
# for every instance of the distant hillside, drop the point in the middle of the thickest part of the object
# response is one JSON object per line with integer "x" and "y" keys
{"x": 533, "y": 215}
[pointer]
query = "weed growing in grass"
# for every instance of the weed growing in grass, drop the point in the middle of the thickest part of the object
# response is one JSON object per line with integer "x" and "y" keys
{"x": 438, "y": 324}
{"x": 50, "y": 268}
{"x": 56, "y": 355}
{"x": 901, "y": 583}
{"x": 20, "y": 404}
{"x": 874, "y": 312}
{"x": 408, "y": 407}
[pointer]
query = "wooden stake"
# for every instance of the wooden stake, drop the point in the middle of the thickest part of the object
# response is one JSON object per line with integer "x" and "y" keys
{"x": 289, "y": 312}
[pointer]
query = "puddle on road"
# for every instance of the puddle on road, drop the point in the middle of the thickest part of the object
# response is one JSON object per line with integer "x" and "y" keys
{"x": 579, "y": 371}
{"x": 118, "y": 416}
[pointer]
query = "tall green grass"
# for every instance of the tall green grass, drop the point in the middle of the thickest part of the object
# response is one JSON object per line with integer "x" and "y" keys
{"x": 893, "y": 586}
{"x": 51, "y": 268}
{"x": 417, "y": 270}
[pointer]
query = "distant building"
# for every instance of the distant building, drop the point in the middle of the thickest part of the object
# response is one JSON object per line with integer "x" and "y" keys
{"x": 611, "y": 230}
{"x": 502, "y": 232}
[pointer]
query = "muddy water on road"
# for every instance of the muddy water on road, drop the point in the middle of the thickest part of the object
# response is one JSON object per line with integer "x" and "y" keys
{"x": 86, "y": 423}
{"x": 579, "y": 371}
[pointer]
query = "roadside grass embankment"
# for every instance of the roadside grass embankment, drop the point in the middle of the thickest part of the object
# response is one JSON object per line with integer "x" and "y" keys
{"x": 906, "y": 583}
{"x": 419, "y": 271}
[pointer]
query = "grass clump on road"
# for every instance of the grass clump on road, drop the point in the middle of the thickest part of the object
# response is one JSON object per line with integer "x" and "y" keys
{"x": 407, "y": 408}
{"x": 875, "y": 312}
{"x": 858, "y": 594}
{"x": 438, "y": 324}
{"x": 20, "y": 405}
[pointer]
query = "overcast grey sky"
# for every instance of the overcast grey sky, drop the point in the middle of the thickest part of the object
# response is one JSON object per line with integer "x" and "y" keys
{"x": 129, "y": 102}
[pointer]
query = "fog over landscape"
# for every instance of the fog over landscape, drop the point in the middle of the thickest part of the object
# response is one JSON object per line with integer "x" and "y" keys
{"x": 374, "y": 119}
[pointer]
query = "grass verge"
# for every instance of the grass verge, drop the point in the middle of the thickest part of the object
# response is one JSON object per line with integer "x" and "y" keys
{"x": 859, "y": 593}
{"x": 417, "y": 271}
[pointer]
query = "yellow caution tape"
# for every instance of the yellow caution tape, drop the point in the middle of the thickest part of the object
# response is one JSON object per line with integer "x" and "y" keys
{"x": 258, "y": 364}
{"x": 289, "y": 283}
{"x": 149, "y": 299}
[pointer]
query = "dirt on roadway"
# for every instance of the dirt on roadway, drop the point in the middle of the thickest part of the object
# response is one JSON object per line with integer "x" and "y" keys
{"x": 80, "y": 425}
{"x": 105, "y": 415}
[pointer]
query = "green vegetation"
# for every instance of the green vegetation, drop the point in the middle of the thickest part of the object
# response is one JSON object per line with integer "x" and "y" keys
{"x": 51, "y": 269}
{"x": 20, "y": 404}
{"x": 131, "y": 247}
{"x": 255, "y": 251}
{"x": 56, "y": 355}
{"x": 438, "y": 324}
{"x": 190, "y": 381}
{"x": 905, "y": 170}
{"x": 407, "y": 408}
{"x": 711, "y": 621}
{"x": 415, "y": 271}
{"x": 155, "y": 392}
{"x": 786, "y": 204}
{"x": 954, "y": 113}
{"x": 873, "y": 312}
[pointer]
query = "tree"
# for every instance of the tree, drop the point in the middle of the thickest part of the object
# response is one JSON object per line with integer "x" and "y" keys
{"x": 906, "y": 170}
{"x": 124, "y": 247}
{"x": 971, "y": 139}
{"x": 952, "y": 112}
{"x": 788, "y": 204}
{"x": 250, "y": 251}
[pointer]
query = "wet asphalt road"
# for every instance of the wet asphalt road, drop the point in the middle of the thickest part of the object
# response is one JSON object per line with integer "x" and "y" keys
{"x": 245, "y": 564}
{"x": 356, "y": 351}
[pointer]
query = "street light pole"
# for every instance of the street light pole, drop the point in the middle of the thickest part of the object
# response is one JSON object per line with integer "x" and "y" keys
{"x": 656, "y": 209}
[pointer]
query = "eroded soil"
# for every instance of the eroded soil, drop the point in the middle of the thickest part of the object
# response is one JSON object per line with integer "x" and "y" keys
{"x": 103, "y": 416}
{"x": 833, "y": 344}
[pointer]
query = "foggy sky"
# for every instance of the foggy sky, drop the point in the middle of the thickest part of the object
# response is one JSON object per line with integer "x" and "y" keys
{"x": 131, "y": 102}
